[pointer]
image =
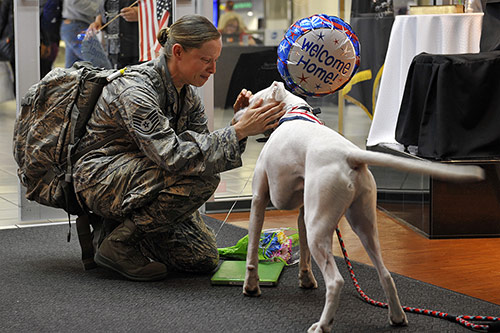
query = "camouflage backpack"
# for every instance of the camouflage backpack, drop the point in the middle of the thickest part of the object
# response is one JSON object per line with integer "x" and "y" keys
{"x": 53, "y": 117}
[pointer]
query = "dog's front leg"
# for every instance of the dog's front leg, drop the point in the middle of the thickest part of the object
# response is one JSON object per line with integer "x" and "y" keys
{"x": 259, "y": 203}
{"x": 306, "y": 276}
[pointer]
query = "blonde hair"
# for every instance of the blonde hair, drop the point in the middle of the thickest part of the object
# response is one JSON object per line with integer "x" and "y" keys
{"x": 190, "y": 31}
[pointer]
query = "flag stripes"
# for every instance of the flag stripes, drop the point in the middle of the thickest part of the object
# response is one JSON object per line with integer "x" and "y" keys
{"x": 153, "y": 16}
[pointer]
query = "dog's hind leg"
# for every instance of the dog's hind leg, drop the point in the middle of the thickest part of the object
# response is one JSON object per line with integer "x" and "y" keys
{"x": 363, "y": 220}
{"x": 320, "y": 240}
{"x": 321, "y": 218}
{"x": 260, "y": 200}
{"x": 306, "y": 276}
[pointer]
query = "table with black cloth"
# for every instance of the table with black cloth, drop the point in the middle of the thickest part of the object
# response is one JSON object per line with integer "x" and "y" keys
{"x": 410, "y": 36}
{"x": 450, "y": 106}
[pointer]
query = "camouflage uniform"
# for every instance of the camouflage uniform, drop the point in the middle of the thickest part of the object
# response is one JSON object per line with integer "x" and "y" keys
{"x": 161, "y": 169}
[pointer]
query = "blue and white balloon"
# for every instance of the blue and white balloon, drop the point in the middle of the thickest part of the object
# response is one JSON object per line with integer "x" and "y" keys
{"x": 318, "y": 55}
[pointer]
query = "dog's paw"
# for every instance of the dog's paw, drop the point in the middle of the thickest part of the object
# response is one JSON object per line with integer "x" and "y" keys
{"x": 312, "y": 329}
{"x": 316, "y": 328}
{"x": 251, "y": 284}
{"x": 400, "y": 321}
{"x": 252, "y": 292}
{"x": 307, "y": 280}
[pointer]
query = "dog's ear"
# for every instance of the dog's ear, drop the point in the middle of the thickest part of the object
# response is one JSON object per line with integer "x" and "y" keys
{"x": 278, "y": 91}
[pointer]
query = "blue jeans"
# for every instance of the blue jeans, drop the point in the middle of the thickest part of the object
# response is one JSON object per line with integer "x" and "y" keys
{"x": 69, "y": 33}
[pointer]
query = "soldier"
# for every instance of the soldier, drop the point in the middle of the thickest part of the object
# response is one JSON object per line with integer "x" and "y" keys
{"x": 162, "y": 163}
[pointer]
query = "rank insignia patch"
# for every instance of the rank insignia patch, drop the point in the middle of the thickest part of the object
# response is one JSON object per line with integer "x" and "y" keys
{"x": 146, "y": 124}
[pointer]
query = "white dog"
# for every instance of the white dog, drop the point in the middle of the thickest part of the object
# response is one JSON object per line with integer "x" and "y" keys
{"x": 306, "y": 165}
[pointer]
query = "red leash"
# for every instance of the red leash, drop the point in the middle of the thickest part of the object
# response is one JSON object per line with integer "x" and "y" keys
{"x": 464, "y": 320}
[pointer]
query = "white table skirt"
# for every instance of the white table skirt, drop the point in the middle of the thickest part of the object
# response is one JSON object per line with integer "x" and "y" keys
{"x": 411, "y": 35}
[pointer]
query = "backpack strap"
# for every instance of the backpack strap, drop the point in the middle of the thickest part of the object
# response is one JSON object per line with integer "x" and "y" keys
{"x": 85, "y": 240}
{"x": 93, "y": 90}
{"x": 77, "y": 129}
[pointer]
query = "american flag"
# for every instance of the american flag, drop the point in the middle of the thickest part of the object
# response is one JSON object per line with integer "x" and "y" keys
{"x": 153, "y": 16}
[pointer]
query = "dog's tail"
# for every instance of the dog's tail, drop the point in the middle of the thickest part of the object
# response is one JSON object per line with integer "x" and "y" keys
{"x": 461, "y": 173}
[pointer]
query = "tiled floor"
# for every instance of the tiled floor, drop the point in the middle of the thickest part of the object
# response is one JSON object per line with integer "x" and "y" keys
{"x": 234, "y": 184}
{"x": 8, "y": 178}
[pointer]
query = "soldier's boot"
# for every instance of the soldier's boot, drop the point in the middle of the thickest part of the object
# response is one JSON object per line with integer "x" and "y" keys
{"x": 120, "y": 252}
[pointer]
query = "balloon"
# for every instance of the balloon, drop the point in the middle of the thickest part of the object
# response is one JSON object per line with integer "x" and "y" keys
{"x": 318, "y": 55}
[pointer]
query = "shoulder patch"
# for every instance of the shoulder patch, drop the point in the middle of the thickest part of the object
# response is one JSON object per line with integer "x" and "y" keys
{"x": 146, "y": 124}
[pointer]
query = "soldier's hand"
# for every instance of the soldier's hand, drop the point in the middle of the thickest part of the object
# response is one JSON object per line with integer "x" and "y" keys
{"x": 258, "y": 119}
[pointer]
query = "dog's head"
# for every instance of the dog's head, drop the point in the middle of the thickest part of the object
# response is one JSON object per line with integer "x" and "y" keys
{"x": 276, "y": 92}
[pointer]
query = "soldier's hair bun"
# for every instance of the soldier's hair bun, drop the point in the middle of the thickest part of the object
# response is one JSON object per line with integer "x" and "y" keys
{"x": 162, "y": 36}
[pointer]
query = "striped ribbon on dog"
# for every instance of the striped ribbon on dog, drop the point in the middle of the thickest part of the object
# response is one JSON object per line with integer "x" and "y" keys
{"x": 302, "y": 113}
{"x": 153, "y": 16}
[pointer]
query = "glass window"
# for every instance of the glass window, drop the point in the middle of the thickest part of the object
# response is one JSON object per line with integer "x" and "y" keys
{"x": 251, "y": 32}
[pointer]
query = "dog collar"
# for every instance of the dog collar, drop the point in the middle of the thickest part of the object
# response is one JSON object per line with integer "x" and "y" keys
{"x": 301, "y": 112}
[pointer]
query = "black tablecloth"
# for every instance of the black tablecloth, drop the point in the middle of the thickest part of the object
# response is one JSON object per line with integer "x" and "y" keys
{"x": 451, "y": 106}
{"x": 490, "y": 36}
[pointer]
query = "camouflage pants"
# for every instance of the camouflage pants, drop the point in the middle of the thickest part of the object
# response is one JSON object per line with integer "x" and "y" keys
{"x": 163, "y": 206}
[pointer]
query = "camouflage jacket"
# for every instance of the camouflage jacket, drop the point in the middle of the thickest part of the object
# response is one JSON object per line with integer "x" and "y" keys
{"x": 154, "y": 121}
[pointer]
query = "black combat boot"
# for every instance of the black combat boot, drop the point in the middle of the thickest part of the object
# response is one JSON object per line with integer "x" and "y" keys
{"x": 120, "y": 252}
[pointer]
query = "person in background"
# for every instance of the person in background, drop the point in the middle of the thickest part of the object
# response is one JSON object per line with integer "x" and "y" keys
{"x": 163, "y": 163}
{"x": 7, "y": 33}
{"x": 50, "y": 20}
{"x": 233, "y": 28}
{"x": 230, "y": 14}
{"x": 77, "y": 16}
{"x": 122, "y": 34}
{"x": 50, "y": 25}
{"x": 232, "y": 33}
